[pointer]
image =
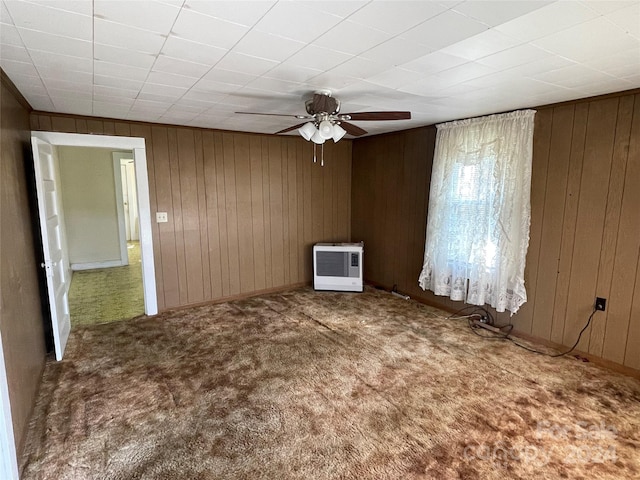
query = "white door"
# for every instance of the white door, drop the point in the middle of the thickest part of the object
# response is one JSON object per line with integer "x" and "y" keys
{"x": 131, "y": 200}
{"x": 51, "y": 229}
{"x": 125, "y": 200}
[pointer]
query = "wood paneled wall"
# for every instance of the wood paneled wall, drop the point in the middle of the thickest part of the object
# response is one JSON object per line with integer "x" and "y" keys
{"x": 585, "y": 226}
{"x": 244, "y": 209}
{"x": 21, "y": 321}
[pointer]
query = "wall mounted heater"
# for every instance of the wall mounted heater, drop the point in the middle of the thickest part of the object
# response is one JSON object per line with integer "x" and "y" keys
{"x": 338, "y": 266}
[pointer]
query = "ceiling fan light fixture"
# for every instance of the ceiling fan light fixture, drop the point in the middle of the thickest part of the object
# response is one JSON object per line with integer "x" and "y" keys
{"x": 326, "y": 129}
{"x": 307, "y": 131}
{"x": 338, "y": 133}
{"x": 317, "y": 138}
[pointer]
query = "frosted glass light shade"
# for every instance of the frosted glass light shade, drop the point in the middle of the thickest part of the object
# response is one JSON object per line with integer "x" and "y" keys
{"x": 326, "y": 129}
{"x": 317, "y": 138}
{"x": 307, "y": 130}
{"x": 338, "y": 133}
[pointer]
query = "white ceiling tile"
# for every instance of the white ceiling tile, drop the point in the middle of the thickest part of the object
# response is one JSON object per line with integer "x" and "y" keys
{"x": 149, "y": 105}
{"x": 547, "y": 20}
{"x": 574, "y": 76}
{"x": 584, "y": 41}
{"x": 394, "y": 77}
{"x": 164, "y": 78}
{"x": 181, "y": 107}
{"x": 73, "y": 94}
{"x": 109, "y": 53}
{"x": 51, "y": 20}
{"x": 604, "y": 7}
{"x": 539, "y": 66}
{"x": 239, "y": 62}
{"x": 486, "y": 43}
{"x": 433, "y": 63}
{"x": 41, "y": 102}
{"x": 207, "y": 30}
{"x": 123, "y": 83}
{"x": 211, "y": 87}
{"x": 120, "y": 70}
{"x": 164, "y": 90}
{"x": 358, "y": 67}
{"x": 514, "y": 56}
{"x": 628, "y": 19}
{"x": 5, "y": 16}
{"x": 446, "y": 29}
{"x": 81, "y": 7}
{"x": 607, "y": 86}
{"x": 263, "y": 45}
{"x": 192, "y": 51}
{"x": 291, "y": 72}
{"x": 15, "y": 53}
{"x": 110, "y": 110}
{"x": 55, "y": 43}
{"x": 296, "y": 21}
{"x": 243, "y": 13}
{"x": 350, "y": 37}
{"x": 59, "y": 73}
{"x": 494, "y": 12}
{"x": 616, "y": 63}
{"x": 34, "y": 90}
{"x": 462, "y": 73}
{"x": 177, "y": 117}
{"x": 124, "y": 36}
{"x": 273, "y": 85}
{"x": 396, "y": 17}
{"x": 120, "y": 101}
{"x": 396, "y": 51}
{"x": 9, "y": 35}
{"x": 332, "y": 81}
{"x": 142, "y": 116}
{"x": 70, "y": 105}
{"x": 179, "y": 66}
{"x": 201, "y": 96}
{"x": 228, "y": 76}
{"x": 147, "y": 15}
{"x": 115, "y": 92}
{"x": 78, "y": 86}
{"x": 48, "y": 59}
{"x": 341, "y": 9}
{"x": 19, "y": 68}
{"x": 318, "y": 58}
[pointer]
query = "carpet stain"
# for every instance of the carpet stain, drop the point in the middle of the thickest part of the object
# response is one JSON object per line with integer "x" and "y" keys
{"x": 321, "y": 385}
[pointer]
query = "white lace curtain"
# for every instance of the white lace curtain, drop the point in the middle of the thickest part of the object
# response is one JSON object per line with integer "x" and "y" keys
{"x": 479, "y": 210}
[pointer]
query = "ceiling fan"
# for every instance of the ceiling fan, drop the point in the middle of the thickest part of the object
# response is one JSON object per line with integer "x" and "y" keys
{"x": 324, "y": 120}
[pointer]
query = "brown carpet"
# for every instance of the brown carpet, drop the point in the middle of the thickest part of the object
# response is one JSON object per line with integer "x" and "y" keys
{"x": 306, "y": 385}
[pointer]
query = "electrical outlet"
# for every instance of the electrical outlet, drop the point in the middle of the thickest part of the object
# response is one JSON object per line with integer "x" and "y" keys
{"x": 162, "y": 217}
{"x": 601, "y": 303}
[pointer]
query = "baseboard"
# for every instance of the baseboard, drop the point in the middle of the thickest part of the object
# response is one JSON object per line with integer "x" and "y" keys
{"x": 608, "y": 364}
{"x": 93, "y": 265}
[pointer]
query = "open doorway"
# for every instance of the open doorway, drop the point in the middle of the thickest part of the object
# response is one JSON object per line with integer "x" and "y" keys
{"x": 99, "y": 207}
{"x": 57, "y": 263}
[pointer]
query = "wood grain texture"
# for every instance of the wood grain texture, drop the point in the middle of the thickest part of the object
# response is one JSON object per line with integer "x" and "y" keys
{"x": 585, "y": 230}
{"x": 244, "y": 209}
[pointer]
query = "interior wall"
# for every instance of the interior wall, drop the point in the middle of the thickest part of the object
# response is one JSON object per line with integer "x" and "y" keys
{"x": 88, "y": 189}
{"x": 244, "y": 209}
{"x": 585, "y": 225}
{"x": 20, "y": 312}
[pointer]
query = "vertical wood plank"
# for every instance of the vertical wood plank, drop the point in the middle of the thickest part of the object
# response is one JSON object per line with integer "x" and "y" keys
{"x": 45, "y": 123}
{"x": 591, "y": 209}
{"x": 164, "y": 203}
{"x": 109, "y": 127}
{"x": 212, "y": 212}
{"x": 122, "y": 129}
{"x": 284, "y": 155}
{"x": 203, "y": 221}
{"x": 190, "y": 215}
{"x": 257, "y": 209}
{"x": 551, "y": 225}
{"x": 570, "y": 218}
{"x": 81, "y": 126}
{"x": 95, "y": 126}
{"x": 301, "y": 151}
{"x": 177, "y": 215}
{"x": 266, "y": 180}
{"x": 244, "y": 209}
{"x": 612, "y": 220}
{"x": 292, "y": 202}
{"x": 307, "y": 166}
{"x": 232, "y": 213}
{"x": 222, "y": 213}
{"x": 275, "y": 202}
{"x": 63, "y": 124}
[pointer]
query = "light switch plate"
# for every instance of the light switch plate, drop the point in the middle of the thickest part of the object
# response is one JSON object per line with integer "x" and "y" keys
{"x": 162, "y": 217}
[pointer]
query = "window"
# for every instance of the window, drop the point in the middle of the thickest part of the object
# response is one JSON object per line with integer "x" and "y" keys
{"x": 479, "y": 211}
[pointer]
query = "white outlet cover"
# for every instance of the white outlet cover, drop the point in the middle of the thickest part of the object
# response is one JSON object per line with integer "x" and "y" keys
{"x": 162, "y": 217}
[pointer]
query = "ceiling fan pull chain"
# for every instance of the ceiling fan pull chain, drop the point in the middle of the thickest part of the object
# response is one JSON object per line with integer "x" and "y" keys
{"x": 314, "y": 153}
{"x": 322, "y": 155}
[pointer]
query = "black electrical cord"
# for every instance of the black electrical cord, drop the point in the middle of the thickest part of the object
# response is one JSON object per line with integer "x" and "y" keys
{"x": 488, "y": 317}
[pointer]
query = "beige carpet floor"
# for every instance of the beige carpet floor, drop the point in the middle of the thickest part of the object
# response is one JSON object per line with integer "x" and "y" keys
{"x": 108, "y": 294}
{"x": 306, "y": 385}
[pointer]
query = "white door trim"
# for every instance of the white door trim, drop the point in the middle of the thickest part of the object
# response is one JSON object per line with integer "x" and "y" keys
{"x": 122, "y": 234}
{"x": 136, "y": 144}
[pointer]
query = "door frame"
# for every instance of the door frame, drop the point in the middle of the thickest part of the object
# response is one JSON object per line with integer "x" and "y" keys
{"x": 137, "y": 146}
{"x": 122, "y": 234}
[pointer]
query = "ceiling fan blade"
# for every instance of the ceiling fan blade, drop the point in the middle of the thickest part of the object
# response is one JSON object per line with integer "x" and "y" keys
{"x": 352, "y": 129}
{"x": 379, "y": 116}
{"x": 295, "y": 127}
{"x": 273, "y": 114}
{"x": 324, "y": 103}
